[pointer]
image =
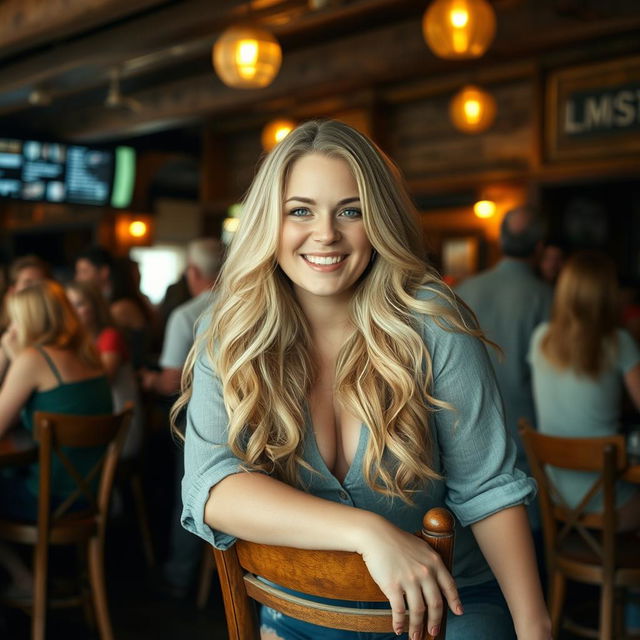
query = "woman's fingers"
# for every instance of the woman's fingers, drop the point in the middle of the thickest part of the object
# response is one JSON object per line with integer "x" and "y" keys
{"x": 398, "y": 611}
{"x": 417, "y": 609}
{"x": 435, "y": 606}
{"x": 449, "y": 590}
{"x": 426, "y": 602}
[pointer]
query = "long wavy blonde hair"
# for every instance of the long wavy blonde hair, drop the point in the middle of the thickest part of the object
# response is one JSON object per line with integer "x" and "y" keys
{"x": 260, "y": 347}
{"x": 582, "y": 332}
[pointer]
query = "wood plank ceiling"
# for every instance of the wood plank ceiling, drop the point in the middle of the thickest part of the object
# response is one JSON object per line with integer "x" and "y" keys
{"x": 57, "y": 57}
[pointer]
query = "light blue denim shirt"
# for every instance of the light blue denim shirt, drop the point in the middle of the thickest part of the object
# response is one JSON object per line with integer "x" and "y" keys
{"x": 472, "y": 451}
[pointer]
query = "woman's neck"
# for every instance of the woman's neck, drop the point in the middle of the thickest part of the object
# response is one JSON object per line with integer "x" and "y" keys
{"x": 329, "y": 320}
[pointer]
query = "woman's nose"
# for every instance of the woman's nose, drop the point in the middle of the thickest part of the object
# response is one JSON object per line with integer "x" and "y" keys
{"x": 325, "y": 230}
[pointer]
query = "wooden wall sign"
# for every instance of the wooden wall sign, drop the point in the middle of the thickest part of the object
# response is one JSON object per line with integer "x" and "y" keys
{"x": 594, "y": 111}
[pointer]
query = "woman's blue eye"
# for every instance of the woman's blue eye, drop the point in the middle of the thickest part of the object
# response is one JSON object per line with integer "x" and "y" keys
{"x": 351, "y": 213}
{"x": 299, "y": 212}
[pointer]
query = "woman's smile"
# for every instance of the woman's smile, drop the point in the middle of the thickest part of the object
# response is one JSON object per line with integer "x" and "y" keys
{"x": 325, "y": 262}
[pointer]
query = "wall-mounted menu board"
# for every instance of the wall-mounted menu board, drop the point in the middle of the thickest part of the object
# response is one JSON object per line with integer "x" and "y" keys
{"x": 74, "y": 174}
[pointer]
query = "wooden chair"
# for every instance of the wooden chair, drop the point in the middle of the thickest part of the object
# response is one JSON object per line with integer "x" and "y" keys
{"x": 579, "y": 545}
{"x": 207, "y": 569}
{"x": 328, "y": 574}
{"x": 129, "y": 477}
{"x": 81, "y": 519}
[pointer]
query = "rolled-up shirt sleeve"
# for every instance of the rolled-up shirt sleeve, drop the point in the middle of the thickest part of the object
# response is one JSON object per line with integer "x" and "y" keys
{"x": 207, "y": 456}
{"x": 477, "y": 454}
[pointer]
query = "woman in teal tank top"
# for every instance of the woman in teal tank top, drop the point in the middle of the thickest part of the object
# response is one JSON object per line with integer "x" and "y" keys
{"x": 54, "y": 367}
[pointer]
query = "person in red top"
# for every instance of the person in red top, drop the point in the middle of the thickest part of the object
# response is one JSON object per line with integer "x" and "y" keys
{"x": 92, "y": 309}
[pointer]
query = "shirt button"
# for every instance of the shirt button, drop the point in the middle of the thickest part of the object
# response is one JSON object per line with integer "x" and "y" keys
{"x": 343, "y": 495}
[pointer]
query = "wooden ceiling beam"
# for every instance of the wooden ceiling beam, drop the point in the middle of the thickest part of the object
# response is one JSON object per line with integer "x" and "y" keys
{"x": 358, "y": 59}
{"x": 167, "y": 27}
{"x": 338, "y": 66}
{"x": 389, "y": 54}
{"x": 25, "y": 24}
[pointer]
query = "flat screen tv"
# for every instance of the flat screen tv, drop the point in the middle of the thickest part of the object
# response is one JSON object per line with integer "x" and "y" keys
{"x": 66, "y": 173}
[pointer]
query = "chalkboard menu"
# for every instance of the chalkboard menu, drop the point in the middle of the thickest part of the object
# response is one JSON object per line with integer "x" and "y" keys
{"x": 73, "y": 174}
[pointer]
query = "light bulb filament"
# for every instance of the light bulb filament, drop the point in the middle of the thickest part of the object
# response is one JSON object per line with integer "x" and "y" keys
{"x": 459, "y": 18}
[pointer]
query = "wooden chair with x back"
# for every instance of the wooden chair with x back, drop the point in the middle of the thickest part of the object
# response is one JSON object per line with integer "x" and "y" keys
{"x": 326, "y": 574}
{"x": 581, "y": 545}
{"x": 81, "y": 518}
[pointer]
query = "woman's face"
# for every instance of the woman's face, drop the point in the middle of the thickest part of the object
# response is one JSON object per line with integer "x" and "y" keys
{"x": 324, "y": 248}
{"x": 81, "y": 306}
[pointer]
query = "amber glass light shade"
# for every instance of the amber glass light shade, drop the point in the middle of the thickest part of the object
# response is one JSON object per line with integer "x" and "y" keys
{"x": 459, "y": 29}
{"x": 472, "y": 109}
{"x": 275, "y": 131}
{"x": 246, "y": 57}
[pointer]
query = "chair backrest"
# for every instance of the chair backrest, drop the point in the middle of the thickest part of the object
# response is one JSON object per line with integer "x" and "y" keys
{"x": 606, "y": 457}
{"x": 61, "y": 436}
{"x": 245, "y": 566}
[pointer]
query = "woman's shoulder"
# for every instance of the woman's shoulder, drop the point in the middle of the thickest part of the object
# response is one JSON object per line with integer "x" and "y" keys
{"x": 539, "y": 331}
{"x": 438, "y": 308}
{"x": 70, "y": 365}
{"x": 537, "y": 334}
{"x": 29, "y": 357}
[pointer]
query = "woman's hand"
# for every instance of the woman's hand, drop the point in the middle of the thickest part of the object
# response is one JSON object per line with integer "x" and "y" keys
{"x": 9, "y": 342}
{"x": 407, "y": 569}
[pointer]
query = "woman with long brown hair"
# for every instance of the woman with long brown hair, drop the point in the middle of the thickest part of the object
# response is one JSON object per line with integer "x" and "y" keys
{"x": 94, "y": 313}
{"x": 580, "y": 361}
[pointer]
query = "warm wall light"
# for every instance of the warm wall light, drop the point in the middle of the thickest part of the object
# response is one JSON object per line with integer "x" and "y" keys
{"x": 484, "y": 208}
{"x": 138, "y": 229}
{"x": 230, "y": 225}
{"x": 472, "y": 109}
{"x": 455, "y": 29}
{"x": 275, "y": 131}
{"x": 133, "y": 229}
{"x": 231, "y": 222}
{"x": 245, "y": 57}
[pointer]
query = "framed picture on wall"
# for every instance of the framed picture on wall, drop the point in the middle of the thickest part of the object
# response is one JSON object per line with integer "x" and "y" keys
{"x": 459, "y": 257}
{"x": 593, "y": 111}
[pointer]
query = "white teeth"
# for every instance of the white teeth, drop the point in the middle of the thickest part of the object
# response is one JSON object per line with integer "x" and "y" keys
{"x": 324, "y": 259}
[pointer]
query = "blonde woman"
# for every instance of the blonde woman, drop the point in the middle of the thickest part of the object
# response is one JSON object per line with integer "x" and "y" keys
{"x": 54, "y": 367}
{"x": 581, "y": 361}
{"x": 93, "y": 311}
{"x": 339, "y": 390}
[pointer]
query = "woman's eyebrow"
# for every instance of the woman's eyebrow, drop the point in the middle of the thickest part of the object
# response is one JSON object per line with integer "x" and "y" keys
{"x": 300, "y": 199}
{"x": 311, "y": 201}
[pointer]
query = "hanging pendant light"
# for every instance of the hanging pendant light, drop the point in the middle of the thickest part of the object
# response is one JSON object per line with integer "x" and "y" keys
{"x": 275, "y": 131}
{"x": 246, "y": 57}
{"x": 459, "y": 29}
{"x": 472, "y": 109}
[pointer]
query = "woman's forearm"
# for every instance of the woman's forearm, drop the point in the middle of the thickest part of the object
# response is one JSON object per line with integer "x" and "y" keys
{"x": 256, "y": 507}
{"x": 506, "y": 542}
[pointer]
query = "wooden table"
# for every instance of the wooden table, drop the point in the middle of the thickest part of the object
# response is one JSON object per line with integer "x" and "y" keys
{"x": 17, "y": 447}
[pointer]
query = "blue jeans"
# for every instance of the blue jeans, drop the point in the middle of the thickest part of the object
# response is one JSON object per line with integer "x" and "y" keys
{"x": 486, "y": 617}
